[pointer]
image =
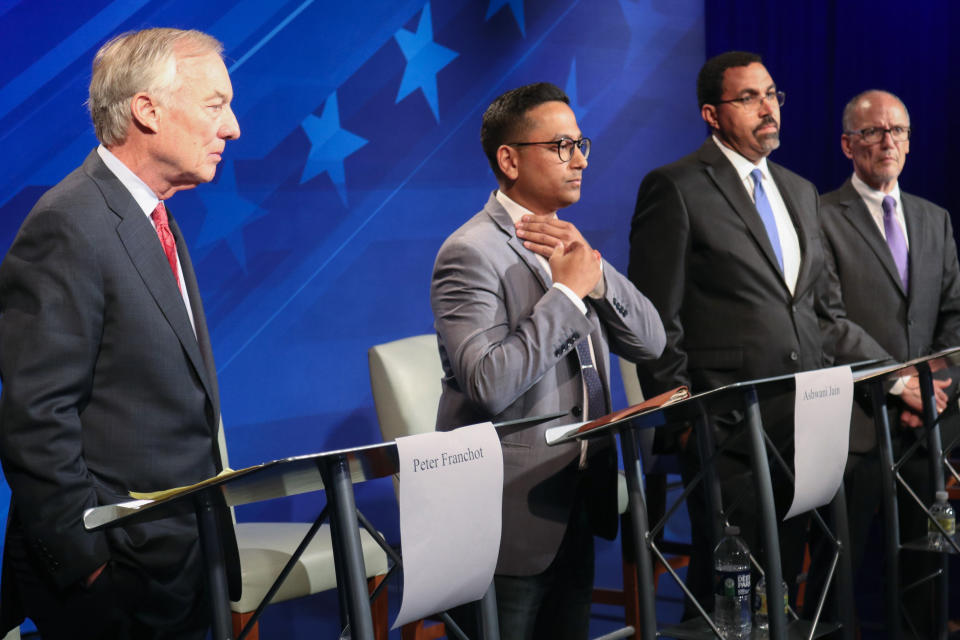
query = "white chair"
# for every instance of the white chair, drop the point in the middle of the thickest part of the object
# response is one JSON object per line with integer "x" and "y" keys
{"x": 405, "y": 379}
{"x": 266, "y": 547}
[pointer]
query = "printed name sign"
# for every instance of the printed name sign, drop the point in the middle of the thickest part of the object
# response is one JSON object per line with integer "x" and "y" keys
{"x": 451, "y": 490}
{"x": 821, "y": 425}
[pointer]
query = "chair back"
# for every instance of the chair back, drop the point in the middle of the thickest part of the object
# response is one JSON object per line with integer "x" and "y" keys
{"x": 405, "y": 378}
{"x": 631, "y": 385}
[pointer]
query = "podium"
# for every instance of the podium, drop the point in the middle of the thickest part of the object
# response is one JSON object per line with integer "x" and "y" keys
{"x": 699, "y": 409}
{"x": 335, "y": 473}
{"x": 877, "y": 384}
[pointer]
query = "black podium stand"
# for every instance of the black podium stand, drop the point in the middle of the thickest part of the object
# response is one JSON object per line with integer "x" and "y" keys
{"x": 699, "y": 409}
{"x": 878, "y": 383}
{"x": 334, "y": 472}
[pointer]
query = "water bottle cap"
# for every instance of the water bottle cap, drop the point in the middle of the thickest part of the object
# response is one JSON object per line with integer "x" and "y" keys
{"x": 942, "y": 496}
{"x": 732, "y": 530}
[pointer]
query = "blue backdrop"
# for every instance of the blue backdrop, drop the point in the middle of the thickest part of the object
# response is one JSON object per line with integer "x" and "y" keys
{"x": 359, "y": 154}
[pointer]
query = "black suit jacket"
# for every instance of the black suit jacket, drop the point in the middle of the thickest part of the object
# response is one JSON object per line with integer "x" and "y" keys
{"x": 889, "y": 322}
{"x": 699, "y": 251}
{"x": 106, "y": 389}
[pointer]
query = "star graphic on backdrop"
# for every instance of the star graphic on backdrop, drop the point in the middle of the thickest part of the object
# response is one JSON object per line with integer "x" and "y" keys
{"x": 425, "y": 58}
{"x": 227, "y": 213}
{"x": 329, "y": 146}
{"x": 516, "y": 6}
{"x": 643, "y": 22}
{"x": 571, "y": 88}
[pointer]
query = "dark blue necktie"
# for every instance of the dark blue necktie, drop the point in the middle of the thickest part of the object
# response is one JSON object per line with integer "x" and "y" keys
{"x": 766, "y": 214}
{"x": 596, "y": 398}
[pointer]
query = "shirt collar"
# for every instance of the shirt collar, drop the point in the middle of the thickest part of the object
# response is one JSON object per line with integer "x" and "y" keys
{"x": 515, "y": 210}
{"x": 874, "y": 197}
{"x": 145, "y": 197}
{"x": 741, "y": 165}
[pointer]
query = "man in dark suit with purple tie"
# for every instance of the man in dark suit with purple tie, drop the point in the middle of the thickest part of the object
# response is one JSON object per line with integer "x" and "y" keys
{"x": 892, "y": 267}
{"x": 109, "y": 384}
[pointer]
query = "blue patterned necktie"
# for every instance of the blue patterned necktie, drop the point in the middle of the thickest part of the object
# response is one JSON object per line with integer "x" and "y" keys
{"x": 596, "y": 399}
{"x": 895, "y": 239}
{"x": 766, "y": 214}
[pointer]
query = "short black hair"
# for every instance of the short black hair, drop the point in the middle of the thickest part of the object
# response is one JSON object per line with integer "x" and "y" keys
{"x": 710, "y": 78}
{"x": 505, "y": 118}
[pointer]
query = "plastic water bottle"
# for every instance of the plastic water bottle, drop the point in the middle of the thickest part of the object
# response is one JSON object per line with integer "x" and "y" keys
{"x": 761, "y": 618}
{"x": 944, "y": 514}
{"x": 731, "y": 600}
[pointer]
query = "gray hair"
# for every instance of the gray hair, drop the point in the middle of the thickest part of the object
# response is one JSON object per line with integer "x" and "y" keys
{"x": 849, "y": 111}
{"x": 133, "y": 62}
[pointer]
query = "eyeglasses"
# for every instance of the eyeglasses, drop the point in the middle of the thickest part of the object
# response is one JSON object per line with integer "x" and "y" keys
{"x": 873, "y": 135}
{"x": 564, "y": 147}
{"x": 754, "y": 100}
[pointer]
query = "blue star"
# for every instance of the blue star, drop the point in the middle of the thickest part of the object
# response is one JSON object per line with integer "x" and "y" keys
{"x": 644, "y": 23}
{"x": 425, "y": 58}
{"x": 516, "y": 6}
{"x": 227, "y": 214}
{"x": 329, "y": 146}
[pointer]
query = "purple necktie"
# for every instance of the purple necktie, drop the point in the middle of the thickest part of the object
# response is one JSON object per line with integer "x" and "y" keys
{"x": 895, "y": 239}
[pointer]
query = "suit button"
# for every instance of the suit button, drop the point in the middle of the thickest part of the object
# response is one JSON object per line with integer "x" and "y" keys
{"x": 794, "y": 356}
{"x": 577, "y": 411}
{"x": 794, "y": 307}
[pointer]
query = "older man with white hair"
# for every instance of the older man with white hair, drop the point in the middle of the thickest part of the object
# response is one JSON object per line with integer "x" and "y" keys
{"x": 109, "y": 384}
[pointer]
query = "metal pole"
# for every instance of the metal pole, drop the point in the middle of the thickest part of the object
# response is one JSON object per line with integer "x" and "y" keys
{"x": 216, "y": 572}
{"x": 489, "y": 623}
{"x": 768, "y": 517}
{"x": 844, "y": 575}
{"x": 934, "y": 453}
{"x": 889, "y": 508}
{"x": 348, "y": 552}
{"x": 633, "y": 470}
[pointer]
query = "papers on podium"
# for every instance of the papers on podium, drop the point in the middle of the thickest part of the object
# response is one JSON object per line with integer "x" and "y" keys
{"x": 822, "y": 406}
{"x": 451, "y": 491}
{"x": 667, "y": 398}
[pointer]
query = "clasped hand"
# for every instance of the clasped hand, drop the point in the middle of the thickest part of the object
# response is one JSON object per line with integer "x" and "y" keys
{"x": 911, "y": 417}
{"x": 573, "y": 262}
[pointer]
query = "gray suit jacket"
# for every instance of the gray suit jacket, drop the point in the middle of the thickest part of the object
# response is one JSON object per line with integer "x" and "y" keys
{"x": 507, "y": 342}
{"x": 889, "y": 323}
{"x": 699, "y": 251}
{"x": 106, "y": 389}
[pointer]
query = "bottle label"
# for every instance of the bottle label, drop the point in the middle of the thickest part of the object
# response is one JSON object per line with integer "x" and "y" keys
{"x": 732, "y": 584}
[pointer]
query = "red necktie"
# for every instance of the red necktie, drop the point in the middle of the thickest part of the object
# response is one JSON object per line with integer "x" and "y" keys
{"x": 159, "y": 217}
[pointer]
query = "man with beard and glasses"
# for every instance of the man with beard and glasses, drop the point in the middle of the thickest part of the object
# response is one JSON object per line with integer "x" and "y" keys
{"x": 726, "y": 245}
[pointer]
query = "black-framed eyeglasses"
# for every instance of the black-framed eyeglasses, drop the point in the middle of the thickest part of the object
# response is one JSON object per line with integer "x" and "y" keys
{"x": 564, "y": 147}
{"x": 873, "y": 135}
{"x": 754, "y": 100}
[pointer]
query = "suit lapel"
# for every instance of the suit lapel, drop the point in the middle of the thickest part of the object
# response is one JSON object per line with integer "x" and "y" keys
{"x": 801, "y": 224}
{"x": 858, "y": 216}
{"x": 919, "y": 249}
{"x": 145, "y": 252}
{"x": 725, "y": 177}
{"x": 500, "y": 216}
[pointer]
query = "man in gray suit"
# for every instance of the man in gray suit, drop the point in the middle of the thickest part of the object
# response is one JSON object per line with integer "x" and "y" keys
{"x": 727, "y": 246}
{"x": 109, "y": 384}
{"x": 892, "y": 261}
{"x": 522, "y": 305}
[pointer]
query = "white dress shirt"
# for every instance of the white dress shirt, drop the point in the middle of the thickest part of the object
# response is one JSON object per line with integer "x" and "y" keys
{"x": 874, "y": 201}
{"x": 147, "y": 201}
{"x": 789, "y": 242}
